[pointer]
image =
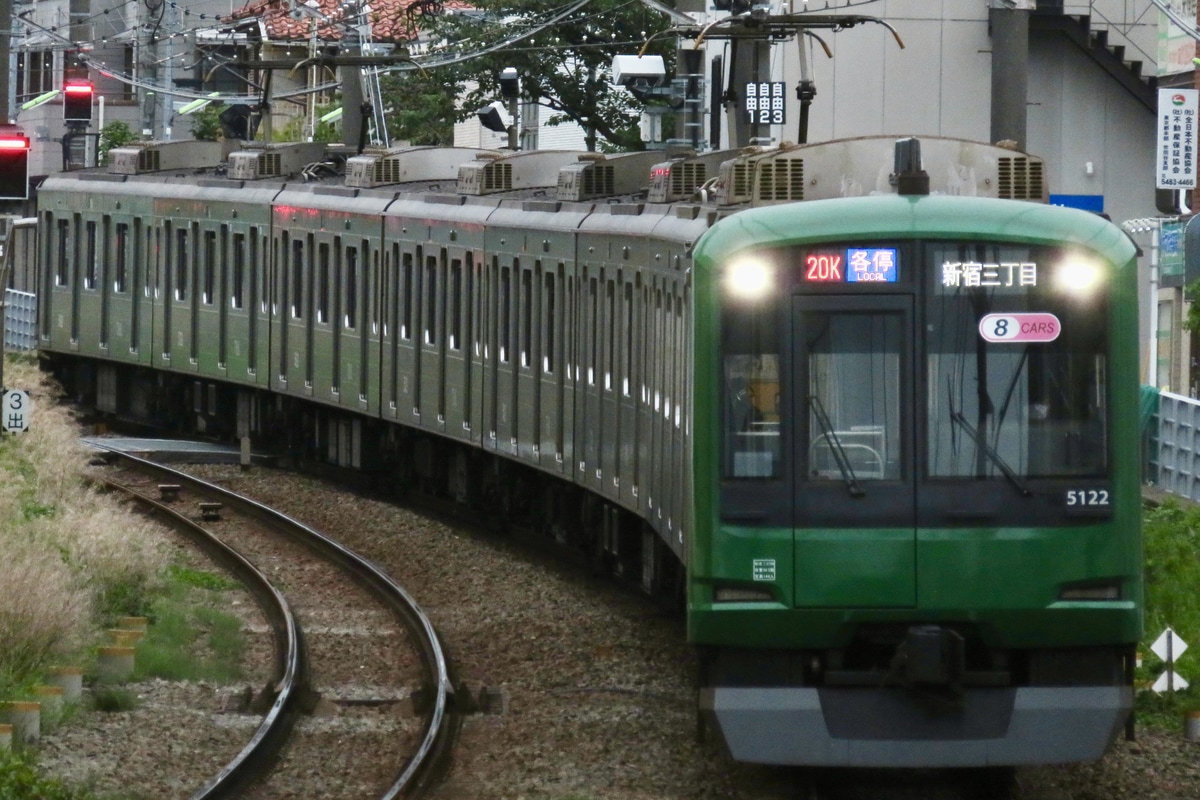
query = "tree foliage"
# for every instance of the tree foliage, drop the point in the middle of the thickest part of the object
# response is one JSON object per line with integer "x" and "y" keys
{"x": 419, "y": 107}
{"x": 565, "y": 67}
{"x": 114, "y": 134}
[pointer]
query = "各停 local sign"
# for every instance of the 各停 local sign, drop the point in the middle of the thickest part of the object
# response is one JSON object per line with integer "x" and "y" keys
{"x": 15, "y": 411}
{"x": 1176, "y": 159}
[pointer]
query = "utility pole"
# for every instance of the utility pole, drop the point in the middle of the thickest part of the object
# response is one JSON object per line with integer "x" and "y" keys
{"x": 5, "y": 60}
{"x": 1009, "y": 21}
{"x": 353, "y": 113}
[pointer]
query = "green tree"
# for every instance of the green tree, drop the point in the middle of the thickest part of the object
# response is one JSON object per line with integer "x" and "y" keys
{"x": 206, "y": 123}
{"x": 114, "y": 134}
{"x": 419, "y": 107}
{"x": 565, "y": 67}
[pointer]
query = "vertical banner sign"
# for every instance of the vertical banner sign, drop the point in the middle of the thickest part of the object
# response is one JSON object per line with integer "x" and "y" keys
{"x": 764, "y": 103}
{"x": 1177, "y": 138}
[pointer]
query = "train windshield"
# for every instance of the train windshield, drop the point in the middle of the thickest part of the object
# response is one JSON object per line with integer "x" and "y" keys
{"x": 1016, "y": 366}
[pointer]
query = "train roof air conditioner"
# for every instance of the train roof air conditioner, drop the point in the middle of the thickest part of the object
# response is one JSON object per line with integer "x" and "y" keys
{"x": 407, "y": 165}
{"x": 275, "y": 160}
{"x": 595, "y": 175}
{"x": 493, "y": 173}
{"x": 140, "y": 157}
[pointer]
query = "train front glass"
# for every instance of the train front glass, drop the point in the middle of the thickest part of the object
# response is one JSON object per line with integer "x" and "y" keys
{"x": 907, "y": 385}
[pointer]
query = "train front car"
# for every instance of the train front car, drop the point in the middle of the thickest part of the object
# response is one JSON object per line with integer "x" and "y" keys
{"x": 916, "y": 458}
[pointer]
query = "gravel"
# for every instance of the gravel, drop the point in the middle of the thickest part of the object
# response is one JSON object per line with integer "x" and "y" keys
{"x": 597, "y": 684}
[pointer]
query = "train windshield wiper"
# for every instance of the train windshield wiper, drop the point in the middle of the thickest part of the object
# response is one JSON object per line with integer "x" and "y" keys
{"x": 839, "y": 454}
{"x": 995, "y": 457}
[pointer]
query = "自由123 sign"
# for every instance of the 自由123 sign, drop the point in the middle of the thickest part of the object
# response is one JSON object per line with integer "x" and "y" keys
{"x": 1177, "y": 138}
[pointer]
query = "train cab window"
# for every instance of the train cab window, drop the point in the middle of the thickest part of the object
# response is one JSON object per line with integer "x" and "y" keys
{"x": 505, "y": 313}
{"x": 750, "y": 379}
{"x": 1016, "y": 369}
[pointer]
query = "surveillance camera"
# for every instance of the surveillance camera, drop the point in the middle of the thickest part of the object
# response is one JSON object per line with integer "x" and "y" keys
{"x": 639, "y": 72}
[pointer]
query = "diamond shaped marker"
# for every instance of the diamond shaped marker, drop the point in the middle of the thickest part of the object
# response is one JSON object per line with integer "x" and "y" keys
{"x": 1177, "y": 646}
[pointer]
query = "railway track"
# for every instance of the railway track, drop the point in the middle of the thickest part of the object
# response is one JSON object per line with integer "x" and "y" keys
{"x": 317, "y": 645}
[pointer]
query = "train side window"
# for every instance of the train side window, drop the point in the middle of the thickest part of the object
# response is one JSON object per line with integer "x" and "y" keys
{"x": 91, "y": 256}
{"x": 608, "y": 326}
{"x": 121, "y": 271}
{"x": 181, "y": 263}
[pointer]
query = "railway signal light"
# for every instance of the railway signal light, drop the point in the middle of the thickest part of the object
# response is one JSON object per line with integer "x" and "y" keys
{"x": 77, "y": 101}
{"x": 14, "y": 165}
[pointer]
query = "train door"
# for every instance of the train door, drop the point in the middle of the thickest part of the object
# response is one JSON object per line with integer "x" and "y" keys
{"x": 854, "y": 501}
{"x": 527, "y": 401}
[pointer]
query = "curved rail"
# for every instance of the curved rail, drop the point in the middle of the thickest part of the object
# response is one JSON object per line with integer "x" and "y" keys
{"x": 421, "y": 768}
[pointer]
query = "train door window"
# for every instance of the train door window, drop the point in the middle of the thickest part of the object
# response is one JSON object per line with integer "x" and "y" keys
{"x": 296, "y": 281}
{"x": 237, "y": 296}
{"x": 455, "y": 301}
{"x": 549, "y": 321}
{"x": 628, "y": 345}
{"x": 136, "y": 258}
{"x": 322, "y": 287}
{"x": 121, "y": 271}
{"x": 208, "y": 293}
{"x": 526, "y": 317}
{"x": 505, "y": 313}
{"x": 91, "y": 256}
{"x": 406, "y": 297}
{"x": 431, "y": 298}
{"x": 181, "y": 264}
{"x": 350, "y": 315}
{"x": 854, "y": 382}
{"x": 62, "y": 272}
{"x": 607, "y": 326}
{"x": 594, "y": 333}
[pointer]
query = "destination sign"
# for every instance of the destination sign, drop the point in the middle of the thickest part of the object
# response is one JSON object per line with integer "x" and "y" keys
{"x": 852, "y": 265}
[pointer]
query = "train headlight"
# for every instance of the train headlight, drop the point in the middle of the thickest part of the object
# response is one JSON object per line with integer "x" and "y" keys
{"x": 749, "y": 279}
{"x": 1079, "y": 276}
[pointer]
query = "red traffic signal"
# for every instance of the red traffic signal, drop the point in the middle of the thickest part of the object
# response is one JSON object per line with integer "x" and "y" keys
{"x": 77, "y": 101}
{"x": 14, "y": 166}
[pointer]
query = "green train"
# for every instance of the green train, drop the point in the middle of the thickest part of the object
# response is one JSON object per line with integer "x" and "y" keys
{"x": 869, "y": 405}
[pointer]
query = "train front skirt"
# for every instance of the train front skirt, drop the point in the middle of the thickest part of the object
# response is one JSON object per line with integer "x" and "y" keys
{"x": 902, "y": 728}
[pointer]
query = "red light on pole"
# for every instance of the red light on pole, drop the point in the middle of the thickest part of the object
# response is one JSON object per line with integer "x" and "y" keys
{"x": 14, "y": 165}
{"x": 77, "y": 101}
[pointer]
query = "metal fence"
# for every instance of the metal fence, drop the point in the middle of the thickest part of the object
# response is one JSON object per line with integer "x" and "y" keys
{"x": 1173, "y": 451}
{"x": 20, "y": 320}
